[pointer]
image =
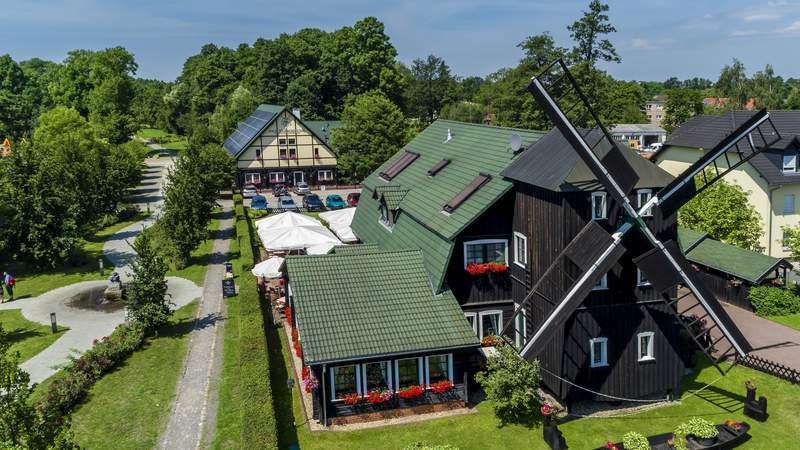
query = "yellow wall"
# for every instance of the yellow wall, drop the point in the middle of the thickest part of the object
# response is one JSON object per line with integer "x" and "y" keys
{"x": 286, "y": 126}
{"x": 676, "y": 159}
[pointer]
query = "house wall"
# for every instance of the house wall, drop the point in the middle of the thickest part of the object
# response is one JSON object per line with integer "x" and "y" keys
{"x": 768, "y": 203}
{"x": 286, "y": 126}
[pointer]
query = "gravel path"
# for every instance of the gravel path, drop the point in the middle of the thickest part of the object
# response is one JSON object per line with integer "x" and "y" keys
{"x": 193, "y": 416}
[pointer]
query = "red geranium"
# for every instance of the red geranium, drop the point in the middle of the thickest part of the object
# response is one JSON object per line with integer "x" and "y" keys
{"x": 546, "y": 409}
{"x": 442, "y": 386}
{"x": 298, "y": 349}
{"x": 488, "y": 341}
{"x": 351, "y": 399}
{"x": 475, "y": 269}
{"x": 378, "y": 396}
{"x": 410, "y": 392}
{"x": 295, "y": 336}
{"x": 610, "y": 446}
{"x": 287, "y": 312}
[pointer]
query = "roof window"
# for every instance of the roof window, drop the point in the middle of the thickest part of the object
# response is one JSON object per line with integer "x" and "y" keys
{"x": 473, "y": 186}
{"x": 398, "y": 165}
{"x": 437, "y": 167}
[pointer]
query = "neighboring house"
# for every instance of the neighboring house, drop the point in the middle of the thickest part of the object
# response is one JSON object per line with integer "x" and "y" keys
{"x": 723, "y": 102}
{"x": 622, "y": 341}
{"x": 772, "y": 178}
{"x": 654, "y": 109}
{"x": 638, "y": 135}
{"x": 729, "y": 271}
{"x": 275, "y": 146}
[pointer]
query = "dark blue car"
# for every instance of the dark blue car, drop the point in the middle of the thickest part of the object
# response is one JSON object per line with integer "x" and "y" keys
{"x": 259, "y": 202}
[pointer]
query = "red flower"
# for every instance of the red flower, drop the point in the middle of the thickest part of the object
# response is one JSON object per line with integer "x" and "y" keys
{"x": 488, "y": 341}
{"x": 351, "y": 399}
{"x": 442, "y": 386}
{"x": 378, "y": 396}
{"x": 610, "y": 446}
{"x": 413, "y": 391}
{"x": 475, "y": 269}
{"x": 298, "y": 349}
{"x": 546, "y": 409}
{"x": 295, "y": 336}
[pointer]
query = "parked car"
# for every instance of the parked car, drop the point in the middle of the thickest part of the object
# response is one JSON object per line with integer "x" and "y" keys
{"x": 249, "y": 190}
{"x": 312, "y": 202}
{"x": 286, "y": 203}
{"x": 334, "y": 201}
{"x": 259, "y": 202}
{"x": 352, "y": 198}
{"x": 301, "y": 188}
{"x": 279, "y": 190}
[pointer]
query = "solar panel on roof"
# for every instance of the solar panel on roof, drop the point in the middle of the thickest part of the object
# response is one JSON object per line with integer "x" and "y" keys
{"x": 248, "y": 130}
{"x": 473, "y": 186}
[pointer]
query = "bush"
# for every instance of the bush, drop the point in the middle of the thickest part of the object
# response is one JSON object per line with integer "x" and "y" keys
{"x": 423, "y": 446}
{"x": 511, "y": 383}
{"x": 635, "y": 441}
{"x": 696, "y": 426}
{"x": 774, "y": 301}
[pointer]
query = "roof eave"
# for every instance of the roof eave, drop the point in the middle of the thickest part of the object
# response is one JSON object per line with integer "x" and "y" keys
{"x": 390, "y": 354}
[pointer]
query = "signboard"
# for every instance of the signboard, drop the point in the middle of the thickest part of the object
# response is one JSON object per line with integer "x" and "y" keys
{"x": 228, "y": 287}
{"x": 228, "y": 267}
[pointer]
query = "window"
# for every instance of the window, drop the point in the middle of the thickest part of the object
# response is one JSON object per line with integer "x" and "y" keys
{"x": 789, "y": 163}
{"x": 646, "y": 346}
{"x": 658, "y": 116}
{"x": 598, "y": 349}
{"x": 385, "y": 217}
{"x": 292, "y": 152}
{"x": 316, "y": 153}
{"x": 490, "y": 323}
{"x": 601, "y": 284}
{"x": 520, "y": 249}
{"x": 282, "y": 153}
{"x": 376, "y": 375}
{"x": 472, "y": 320}
{"x": 277, "y": 177}
{"x": 437, "y": 167}
{"x": 519, "y": 329}
{"x": 788, "y": 204}
{"x": 485, "y": 250}
{"x": 409, "y": 372}
{"x": 440, "y": 368}
{"x": 281, "y": 141}
{"x": 344, "y": 381}
{"x": 641, "y": 278}
{"x": 291, "y": 141}
{"x": 258, "y": 153}
{"x": 598, "y": 205}
{"x": 252, "y": 178}
{"x": 643, "y": 196}
{"x": 325, "y": 175}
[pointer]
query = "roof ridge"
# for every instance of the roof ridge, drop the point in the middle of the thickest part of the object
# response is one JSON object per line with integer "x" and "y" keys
{"x": 483, "y": 125}
{"x": 341, "y": 255}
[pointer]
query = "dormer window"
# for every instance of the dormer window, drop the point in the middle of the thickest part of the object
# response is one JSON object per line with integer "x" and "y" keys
{"x": 386, "y": 217}
{"x": 790, "y": 163}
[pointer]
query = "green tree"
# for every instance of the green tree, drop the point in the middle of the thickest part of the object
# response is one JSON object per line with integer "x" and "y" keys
{"x": 768, "y": 89}
{"x": 228, "y": 115}
{"x": 148, "y": 106}
{"x": 305, "y": 92}
{"x": 15, "y": 108}
{"x": 734, "y": 84}
{"x": 464, "y": 111}
{"x": 511, "y": 383}
{"x": 724, "y": 212}
{"x": 147, "y": 301}
{"x": 374, "y": 129}
{"x": 588, "y": 32}
{"x": 540, "y": 50}
{"x": 430, "y": 87}
{"x": 682, "y": 104}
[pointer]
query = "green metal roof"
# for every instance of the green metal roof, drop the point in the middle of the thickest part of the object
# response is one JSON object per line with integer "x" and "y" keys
{"x": 354, "y": 249}
{"x": 392, "y": 195}
{"x": 355, "y": 306}
{"x": 422, "y": 223}
{"x": 745, "y": 264}
{"x": 323, "y": 128}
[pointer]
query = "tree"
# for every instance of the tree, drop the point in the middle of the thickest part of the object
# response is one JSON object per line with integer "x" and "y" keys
{"x": 619, "y": 101}
{"x": 147, "y": 301}
{"x": 228, "y": 115}
{"x": 768, "y": 89}
{"x": 374, "y": 130}
{"x": 304, "y": 92}
{"x": 15, "y": 109}
{"x": 430, "y": 87}
{"x": 682, "y": 104}
{"x": 733, "y": 84}
{"x": 540, "y": 50}
{"x": 588, "y": 32}
{"x": 724, "y": 212}
{"x": 512, "y": 385}
{"x": 464, "y": 111}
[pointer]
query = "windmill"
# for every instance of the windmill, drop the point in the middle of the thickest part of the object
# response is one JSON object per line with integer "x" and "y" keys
{"x": 582, "y": 263}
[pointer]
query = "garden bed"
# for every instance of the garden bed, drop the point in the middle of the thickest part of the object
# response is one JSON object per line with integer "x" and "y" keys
{"x": 727, "y": 438}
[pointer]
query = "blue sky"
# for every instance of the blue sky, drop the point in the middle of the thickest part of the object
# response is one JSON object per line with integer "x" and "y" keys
{"x": 656, "y": 39}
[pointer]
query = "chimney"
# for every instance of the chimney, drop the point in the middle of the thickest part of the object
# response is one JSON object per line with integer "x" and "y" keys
{"x": 296, "y": 112}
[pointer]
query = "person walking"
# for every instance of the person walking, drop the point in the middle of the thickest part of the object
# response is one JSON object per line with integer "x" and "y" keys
{"x": 9, "y": 281}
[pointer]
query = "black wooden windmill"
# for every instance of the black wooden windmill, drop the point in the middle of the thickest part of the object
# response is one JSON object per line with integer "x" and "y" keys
{"x": 569, "y": 280}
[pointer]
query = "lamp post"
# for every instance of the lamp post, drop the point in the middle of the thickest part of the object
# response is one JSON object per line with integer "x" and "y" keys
{"x": 53, "y": 324}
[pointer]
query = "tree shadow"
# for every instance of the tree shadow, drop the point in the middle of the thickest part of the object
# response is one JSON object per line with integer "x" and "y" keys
{"x": 20, "y": 334}
{"x": 281, "y": 391}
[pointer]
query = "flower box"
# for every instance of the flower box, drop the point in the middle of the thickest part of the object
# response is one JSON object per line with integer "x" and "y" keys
{"x": 442, "y": 387}
{"x": 379, "y": 396}
{"x": 410, "y": 392}
{"x": 477, "y": 270}
{"x": 351, "y": 399}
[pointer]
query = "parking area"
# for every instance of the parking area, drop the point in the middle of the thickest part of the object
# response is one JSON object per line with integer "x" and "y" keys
{"x": 272, "y": 201}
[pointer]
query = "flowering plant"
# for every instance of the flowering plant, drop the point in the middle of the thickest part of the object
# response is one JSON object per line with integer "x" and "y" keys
{"x": 287, "y": 312}
{"x": 298, "y": 349}
{"x": 413, "y": 391}
{"x": 442, "y": 386}
{"x": 378, "y": 396}
{"x": 736, "y": 426}
{"x": 489, "y": 341}
{"x": 749, "y": 384}
{"x": 351, "y": 399}
{"x": 610, "y": 446}
{"x": 546, "y": 409}
{"x": 476, "y": 270}
{"x": 295, "y": 336}
{"x": 310, "y": 382}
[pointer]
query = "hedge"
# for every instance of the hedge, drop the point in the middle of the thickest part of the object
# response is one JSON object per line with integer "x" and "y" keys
{"x": 774, "y": 301}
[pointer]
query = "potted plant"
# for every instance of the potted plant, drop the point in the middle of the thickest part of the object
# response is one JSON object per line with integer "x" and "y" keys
{"x": 700, "y": 430}
{"x": 351, "y": 398}
{"x": 547, "y": 413}
{"x": 410, "y": 392}
{"x": 733, "y": 426}
{"x": 489, "y": 341}
{"x": 379, "y": 396}
{"x": 635, "y": 441}
{"x": 442, "y": 386}
{"x": 751, "y": 389}
{"x": 610, "y": 446}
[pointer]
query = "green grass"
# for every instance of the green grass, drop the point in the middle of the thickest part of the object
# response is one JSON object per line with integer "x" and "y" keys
{"x": 791, "y": 320}
{"x": 196, "y": 269}
{"x": 168, "y": 140}
{"x": 151, "y": 133}
{"x": 129, "y": 407}
{"x": 176, "y": 145}
{"x": 32, "y": 281}
{"x": 26, "y": 337}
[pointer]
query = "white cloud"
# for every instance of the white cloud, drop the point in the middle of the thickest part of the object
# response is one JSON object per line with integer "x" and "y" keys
{"x": 793, "y": 28}
{"x": 741, "y": 33}
{"x": 761, "y": 16}
{"x": 641, "y": 43}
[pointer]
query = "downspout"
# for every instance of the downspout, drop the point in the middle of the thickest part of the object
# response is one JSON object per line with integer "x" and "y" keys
{"x": 324, "y": 397}
{"x": 769, "y": 226}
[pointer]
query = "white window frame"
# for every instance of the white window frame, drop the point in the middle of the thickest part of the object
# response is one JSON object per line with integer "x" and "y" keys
{"x": 474, "y": 321}
{"x": 333, "y": 381}
{"x": 602, "y": 284}
{"x": 640, "y": 280}
{"x": 397, "y": 372}
{"x": 253, "y": 177}
{"x": 520, "y": 260}
{"x": 389, "y": 375}
{"x": 281, "y": 175}
{"x": 791, "y": 209}
{"x": 487, "y": 241}
{"x": 604, "y": 352}
{"x": 489, "y": 313}
{"x": 649, "y": 356}
{"x": 520, "y": 335}
{"x": 328, "y": 175}
{"x": 641, "y": 203}
{"x": 789, "y": 168}
{"x": 428, "y": 368}
{"x": 388, "y": 224}
{"x": 603, "y": 196}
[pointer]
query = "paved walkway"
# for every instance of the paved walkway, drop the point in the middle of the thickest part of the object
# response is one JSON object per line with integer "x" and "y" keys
{"x": 193, "y": 417}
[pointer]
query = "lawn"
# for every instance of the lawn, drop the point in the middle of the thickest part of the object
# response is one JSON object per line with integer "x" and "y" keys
{"x": 147, "y": 133}
{"x": 196, "y": 269}
{"x": 129, "y": 407}
{"x": 32, "y": 281}
{"x": 723, "y": 400}
{"x": 167, "y": 140}
{"x": 26, "y": 337}
{"x": 791, "y": 320}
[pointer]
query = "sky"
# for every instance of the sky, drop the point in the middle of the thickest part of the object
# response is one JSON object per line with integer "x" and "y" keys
{"x": 656, "y": 39}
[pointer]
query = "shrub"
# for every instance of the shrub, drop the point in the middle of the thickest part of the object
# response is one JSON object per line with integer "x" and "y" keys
{"x": 774, "y": 301}
{"x": 423, "y": 446}
{"x": 511, "y": 383}
{"x": 635, "y": 441}
{"x": 696, "y": 426}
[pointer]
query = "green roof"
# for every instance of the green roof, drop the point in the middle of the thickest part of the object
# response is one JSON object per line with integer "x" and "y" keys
{"x": 354, "y": 249}
{"x": 745, "y": 264}
{"x": 421, "y": 223}
{"x": 323, "y": 128}
{"x": 356, "y": 306}
{"x": 392, "y": 195}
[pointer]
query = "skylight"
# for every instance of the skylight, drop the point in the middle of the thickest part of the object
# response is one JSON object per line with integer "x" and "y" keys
{"x": 473, "y": 186}
{"x": 437, "y": 167}
{"x": 401, "y": 163}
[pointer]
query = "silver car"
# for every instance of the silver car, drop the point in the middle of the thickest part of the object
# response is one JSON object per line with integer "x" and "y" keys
{"x": 286, "y": 203}
{"x": 248, "y": 191}
{"x": 302, "y": 188}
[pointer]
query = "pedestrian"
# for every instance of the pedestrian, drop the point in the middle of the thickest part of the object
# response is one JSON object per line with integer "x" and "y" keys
{"x": 9, "y": 281}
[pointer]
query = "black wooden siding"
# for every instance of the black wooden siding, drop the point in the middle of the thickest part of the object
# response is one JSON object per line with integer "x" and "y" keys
{"x": 720, "y": 286}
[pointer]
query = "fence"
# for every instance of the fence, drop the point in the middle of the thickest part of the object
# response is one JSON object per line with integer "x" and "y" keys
{"x": 772, "y": 368}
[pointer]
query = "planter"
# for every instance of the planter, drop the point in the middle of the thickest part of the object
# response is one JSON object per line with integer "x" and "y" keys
{"x": 705, "y": 442}
{"x": 751, "y": 394}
